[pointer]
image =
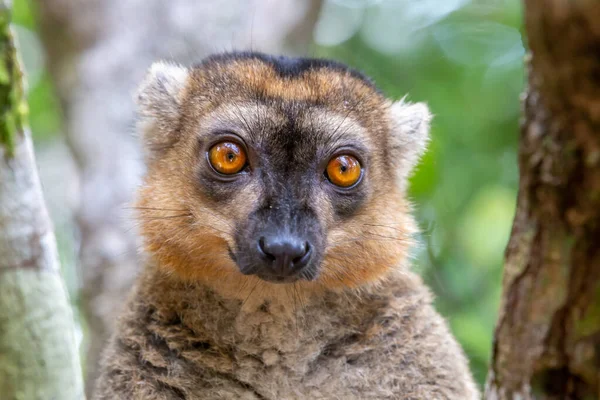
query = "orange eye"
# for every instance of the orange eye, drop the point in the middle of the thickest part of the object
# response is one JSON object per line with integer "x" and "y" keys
{"x": 344, "y": 171}
{"x": 228, "y": 158}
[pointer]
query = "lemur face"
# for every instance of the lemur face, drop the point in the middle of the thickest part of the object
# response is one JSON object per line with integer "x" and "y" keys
{"x": 296, "y": 168}
{"x": 291, "y": 170}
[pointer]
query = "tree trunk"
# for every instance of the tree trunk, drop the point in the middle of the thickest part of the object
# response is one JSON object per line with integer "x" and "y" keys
{"x": 547, "y": 341}
{"x": 98, "y": 52}
{"x": 38, "y": 355}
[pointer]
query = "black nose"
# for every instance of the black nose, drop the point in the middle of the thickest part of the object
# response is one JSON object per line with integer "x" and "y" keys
{"x": 285, "y": 255}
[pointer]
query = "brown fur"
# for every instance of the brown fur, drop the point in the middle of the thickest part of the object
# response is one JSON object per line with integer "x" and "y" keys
{"x": 196, "y": 327}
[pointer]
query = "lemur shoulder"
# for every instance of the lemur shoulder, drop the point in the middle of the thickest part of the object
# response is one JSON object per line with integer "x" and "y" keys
{"x": 276, "y": 236}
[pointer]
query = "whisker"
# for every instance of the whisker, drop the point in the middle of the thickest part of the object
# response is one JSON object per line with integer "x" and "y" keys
{"x": 210, "y": 227}
{"x": 384, "y": 236}
{"x": 295, "y": 308}
{"x": 302, "y": 304}
{"x": 250, "y": 294}
{"x": 387, "y": 223}
{"x": 139, "y": 221}
{"x": 368, "y": 239}
{"x": 218, "y": 216}
{"x": 153, "y": 209}
{"x": 337, "y": 275}
{"x": 287, "y": 293}
{"x": 243, "y": 285}
{"x": 196, "y": 223}
{"x": 177, "y": 236}
{"x": 127, "y": 252}
{"x": 240, "y": 115}
{"x": 379, "y": 237}
{"x": 342, "y": 122}
{"x": 384, "y": 226}
{"x": 188, "y": 214}
{"x": 167, "y": 217}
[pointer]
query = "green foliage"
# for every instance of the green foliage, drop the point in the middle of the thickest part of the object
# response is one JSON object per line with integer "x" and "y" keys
{"x": 22, "y": 14}
{"x": 45, "y": 118}
{"x": 468, "y": 67}
{"x": 44, "y": 109}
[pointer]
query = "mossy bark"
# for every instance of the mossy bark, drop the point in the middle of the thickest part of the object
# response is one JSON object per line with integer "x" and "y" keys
{"x": 38, "y": 355}
{"x": 14, "y": 108}
{"x": 547, "y": 341}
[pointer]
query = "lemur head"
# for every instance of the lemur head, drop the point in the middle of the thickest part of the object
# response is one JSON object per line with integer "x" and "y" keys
{"x": 287, "y": 169}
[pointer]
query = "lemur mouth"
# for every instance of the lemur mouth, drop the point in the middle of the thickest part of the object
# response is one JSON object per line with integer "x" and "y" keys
{"x": 278, "y": 279}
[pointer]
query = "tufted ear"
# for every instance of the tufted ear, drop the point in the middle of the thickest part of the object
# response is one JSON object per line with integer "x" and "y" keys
{"x": 409, "y": 135}
{"x": 159, "y": 106}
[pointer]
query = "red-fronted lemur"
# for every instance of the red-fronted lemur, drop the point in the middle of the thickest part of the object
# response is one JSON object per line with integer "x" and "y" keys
{"x": 276, "y": 236}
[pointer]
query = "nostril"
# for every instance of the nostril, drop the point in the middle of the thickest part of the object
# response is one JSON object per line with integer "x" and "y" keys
{"x": 263, "y": 249}
{"x": 303, "y": 255}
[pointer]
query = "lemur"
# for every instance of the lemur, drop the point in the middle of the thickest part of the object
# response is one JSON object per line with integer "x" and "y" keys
{"x": 276, "y": 237}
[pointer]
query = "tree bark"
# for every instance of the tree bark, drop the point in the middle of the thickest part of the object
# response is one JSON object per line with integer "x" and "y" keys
{"x": 38, "y": 354}
{"x": 98, "y": 52}
{"x": 547, "y": 340}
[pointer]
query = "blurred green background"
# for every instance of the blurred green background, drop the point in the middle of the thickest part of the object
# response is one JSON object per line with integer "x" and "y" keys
{"x": 465, "y": 59}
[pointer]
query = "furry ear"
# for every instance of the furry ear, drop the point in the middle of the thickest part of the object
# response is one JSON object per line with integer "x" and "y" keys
{"x": 159, "y": 99}
{"x": 409, "y": 135}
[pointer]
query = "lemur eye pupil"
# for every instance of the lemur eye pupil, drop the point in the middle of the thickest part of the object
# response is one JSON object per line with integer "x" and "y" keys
{"x": 227, "y": 158}
{"x": 344, "y": 171}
